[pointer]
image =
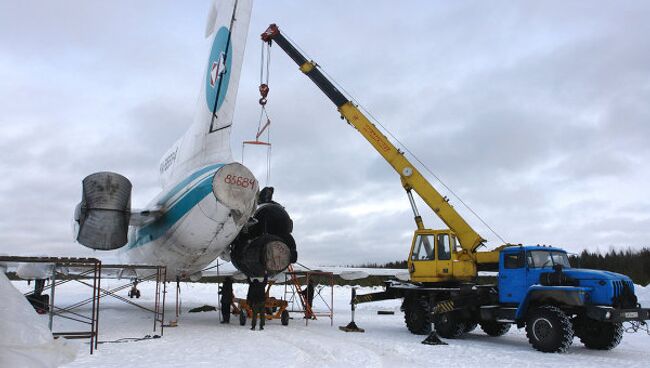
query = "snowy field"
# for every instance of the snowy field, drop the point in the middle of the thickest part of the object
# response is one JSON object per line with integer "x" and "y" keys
{"x": 200, "y": 341}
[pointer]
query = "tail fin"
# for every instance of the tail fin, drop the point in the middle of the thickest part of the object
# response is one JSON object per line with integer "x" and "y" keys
{"x": 208, "y": 140}
{"x": 228, "y": 35}
{"x": 227, "y": 28}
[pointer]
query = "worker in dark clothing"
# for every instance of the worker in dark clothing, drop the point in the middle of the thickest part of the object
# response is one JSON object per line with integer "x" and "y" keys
{"x": 308, "y": 293}
{"x": 226, "y": 299}
{"x": 256, "y": 299}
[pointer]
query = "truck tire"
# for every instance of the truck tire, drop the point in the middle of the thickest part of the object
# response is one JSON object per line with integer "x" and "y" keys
{"x": 470, "y": 326}
{"x": 549, "y": 330}
{"x": 495, "y": 329}
{"x": 449, "y": 325}
{"x": 416, "y": 316}
{"x": 598, "y": 335}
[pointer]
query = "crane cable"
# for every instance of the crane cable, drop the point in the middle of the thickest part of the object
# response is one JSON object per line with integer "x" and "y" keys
{"x": 406, "y": 149}
{"x": 264, "y": 121}
{"x": 265, "y": 72}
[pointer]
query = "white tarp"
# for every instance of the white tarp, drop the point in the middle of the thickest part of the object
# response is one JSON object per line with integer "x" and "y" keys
{"x": 25, "y": 340}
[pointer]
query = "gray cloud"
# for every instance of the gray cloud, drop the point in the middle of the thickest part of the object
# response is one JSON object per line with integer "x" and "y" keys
{"x": 535, "y": 113}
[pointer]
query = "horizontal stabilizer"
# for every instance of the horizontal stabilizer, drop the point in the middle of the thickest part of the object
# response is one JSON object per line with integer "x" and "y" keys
{"x": 104, "y": 212}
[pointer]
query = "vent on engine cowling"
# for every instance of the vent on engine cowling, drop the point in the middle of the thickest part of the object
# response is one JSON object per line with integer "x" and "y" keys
{"x": 104, "y": 212}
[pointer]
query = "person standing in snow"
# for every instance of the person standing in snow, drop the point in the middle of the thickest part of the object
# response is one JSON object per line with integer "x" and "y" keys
{"x": 226, "y": 299}
{"x": 256, "y": 299}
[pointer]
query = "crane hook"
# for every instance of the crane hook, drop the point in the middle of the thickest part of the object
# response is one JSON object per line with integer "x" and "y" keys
{"x": 264, "y": 91}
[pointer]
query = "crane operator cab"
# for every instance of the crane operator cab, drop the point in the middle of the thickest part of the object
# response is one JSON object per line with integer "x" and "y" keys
{"x": 436, "y": 256}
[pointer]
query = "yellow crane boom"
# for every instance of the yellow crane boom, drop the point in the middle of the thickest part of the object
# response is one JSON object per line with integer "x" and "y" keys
{"x": 411, "y": 178}
{"x": 434, "y": 257}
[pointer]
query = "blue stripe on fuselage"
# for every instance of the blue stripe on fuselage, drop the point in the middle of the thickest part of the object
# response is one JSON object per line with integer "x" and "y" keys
{"x": 181, "y": 207}
{"x": 162, "y": 201}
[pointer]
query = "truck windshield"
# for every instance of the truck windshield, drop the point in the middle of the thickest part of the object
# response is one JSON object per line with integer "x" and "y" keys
{"x": 544, "y": 258}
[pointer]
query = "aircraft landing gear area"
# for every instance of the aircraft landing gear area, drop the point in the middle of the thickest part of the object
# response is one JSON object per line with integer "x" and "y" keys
{"x": 134, "y": 292}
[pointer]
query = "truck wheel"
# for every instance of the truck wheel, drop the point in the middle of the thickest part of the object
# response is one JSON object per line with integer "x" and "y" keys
{"x": 469, "y": 327}
{"x": 598, "y": 335}
{"x": 284, "y": 318}
{"x": 242, "y": 317}
{"x": 449, "y": 325}
{"x": 415, "y": 316}
{"x": 495, "y": 329}
{"x": 549, "y": 330}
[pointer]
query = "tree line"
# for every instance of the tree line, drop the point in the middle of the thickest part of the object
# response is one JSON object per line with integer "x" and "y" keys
{"x": 634, "y": 263}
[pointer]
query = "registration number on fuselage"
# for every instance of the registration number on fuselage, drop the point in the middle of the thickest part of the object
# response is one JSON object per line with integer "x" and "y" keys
{"x": 240, "y": 181}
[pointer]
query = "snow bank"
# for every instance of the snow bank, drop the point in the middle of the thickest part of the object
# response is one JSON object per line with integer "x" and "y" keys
{"x": 25, "y": 340}
{"x": 32, "y": 271}
{"x": 643, "y": 294}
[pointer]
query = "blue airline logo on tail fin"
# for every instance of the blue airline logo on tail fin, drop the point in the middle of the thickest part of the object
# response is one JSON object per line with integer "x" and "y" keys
{"x": 218, "y": 73}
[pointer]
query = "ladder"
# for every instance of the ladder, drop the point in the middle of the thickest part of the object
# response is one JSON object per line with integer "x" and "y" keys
{"x": 298, "y": 289}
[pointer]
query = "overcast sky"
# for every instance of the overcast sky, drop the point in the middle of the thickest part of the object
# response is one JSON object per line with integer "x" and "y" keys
{"x": 536, "y": 113}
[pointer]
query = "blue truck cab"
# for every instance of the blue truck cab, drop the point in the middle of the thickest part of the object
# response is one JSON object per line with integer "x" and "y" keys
{"x": 538, "y": 288}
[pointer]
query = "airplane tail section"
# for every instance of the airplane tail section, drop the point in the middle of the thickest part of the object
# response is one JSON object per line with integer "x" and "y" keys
{"x": 208, "y": 140}
{"x": 208, "y": 201}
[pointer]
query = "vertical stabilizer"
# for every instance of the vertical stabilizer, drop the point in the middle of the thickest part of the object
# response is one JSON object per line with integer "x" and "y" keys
{"x": 208, "y": 140}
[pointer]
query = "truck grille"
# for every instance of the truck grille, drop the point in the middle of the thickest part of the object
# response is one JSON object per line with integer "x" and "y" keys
{"x": 623, "y": 294}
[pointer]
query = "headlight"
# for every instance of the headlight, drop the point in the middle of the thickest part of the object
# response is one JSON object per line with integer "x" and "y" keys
{"x": 608, "y": 315}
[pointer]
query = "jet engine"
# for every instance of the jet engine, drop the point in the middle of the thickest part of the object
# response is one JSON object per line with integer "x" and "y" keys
{"x": 265, "y": 245}
{"x": 104, "y": 212}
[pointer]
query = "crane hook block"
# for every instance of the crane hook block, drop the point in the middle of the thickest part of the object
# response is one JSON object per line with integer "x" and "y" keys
{"x": 264, "y": 90}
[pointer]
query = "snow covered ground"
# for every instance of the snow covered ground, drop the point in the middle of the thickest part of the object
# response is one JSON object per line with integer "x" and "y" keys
{"x": 200, "y": 341}
{"x": 25, "y": 340}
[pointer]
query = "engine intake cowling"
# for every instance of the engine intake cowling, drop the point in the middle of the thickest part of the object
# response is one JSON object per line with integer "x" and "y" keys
{"x": 265, "y": 245}
{"x": 265, "y": 254}
{"x": 104, "y": 212}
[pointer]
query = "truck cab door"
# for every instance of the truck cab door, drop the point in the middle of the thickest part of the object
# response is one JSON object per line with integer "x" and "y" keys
{"x": 512, "y": 277}
{"x": 422, "y": 261}
{"x": 539, "y": 261}
{"x": 443, "y": 252}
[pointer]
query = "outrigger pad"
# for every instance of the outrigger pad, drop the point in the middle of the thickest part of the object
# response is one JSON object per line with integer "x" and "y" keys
{"x": 351, "y": 327}
{"x": 433, "y": 339}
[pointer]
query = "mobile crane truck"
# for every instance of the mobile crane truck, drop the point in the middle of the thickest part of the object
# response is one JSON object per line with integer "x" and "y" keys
{"x": 536, "y": 287}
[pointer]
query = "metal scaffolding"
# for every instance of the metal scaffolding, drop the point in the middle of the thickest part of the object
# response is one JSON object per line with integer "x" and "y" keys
{"x": 293, "y": 293}
{"x": 91, "y": 271}
{"x": 157, "y": 274}
{"x": 88, "y": 271}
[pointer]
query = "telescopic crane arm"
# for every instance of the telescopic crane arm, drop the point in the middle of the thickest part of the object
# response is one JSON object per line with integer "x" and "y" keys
{"x": 411, "y": 178}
